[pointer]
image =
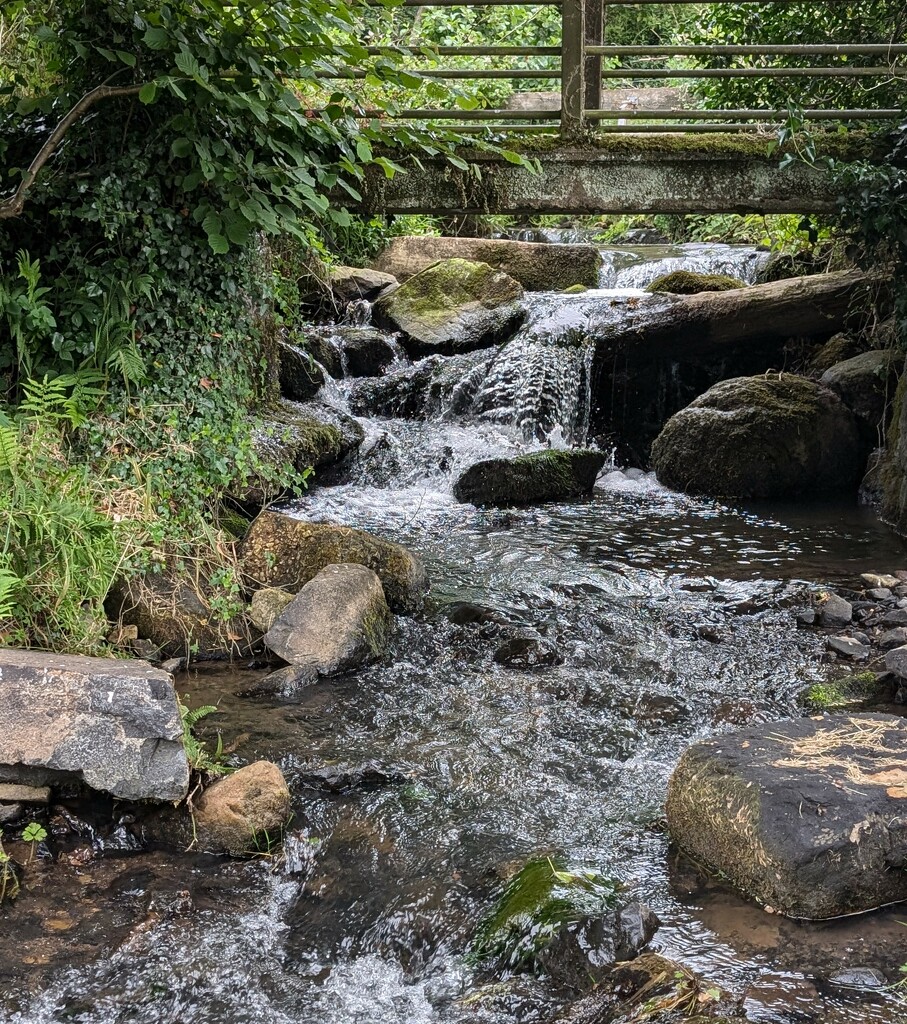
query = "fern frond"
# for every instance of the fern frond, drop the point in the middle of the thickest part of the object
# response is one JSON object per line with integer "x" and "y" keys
{"x": 10, "y": 448}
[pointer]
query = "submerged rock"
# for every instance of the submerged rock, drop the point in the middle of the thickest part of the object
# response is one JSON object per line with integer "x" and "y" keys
{"x": 338, "y": 621}
{"x": 453, "y": 306}
{"x": 538, "y": 266}
{"x": 279, "y": 551}
{"x": 114, "y": 725}
{"x": 866, "y": 384}
{"x": 767, "y": 436}
{"x": 243, "y": 813}
{"x": 550, "y": 475}
{"x": 808, "y": 817}
{"x": 689, "y": 282}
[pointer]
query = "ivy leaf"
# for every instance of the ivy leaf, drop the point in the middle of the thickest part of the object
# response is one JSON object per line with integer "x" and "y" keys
{"x": 181, "y": 147}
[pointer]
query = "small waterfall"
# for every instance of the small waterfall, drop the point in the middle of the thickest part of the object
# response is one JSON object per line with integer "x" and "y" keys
{"x": 638, "y": 266}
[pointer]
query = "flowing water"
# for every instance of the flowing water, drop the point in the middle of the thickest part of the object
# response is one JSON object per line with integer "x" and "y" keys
{"x": 420, "y": 781}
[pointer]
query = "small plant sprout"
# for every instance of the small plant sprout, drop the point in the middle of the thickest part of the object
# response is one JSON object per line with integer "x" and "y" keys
{"x": 33, "y": 833}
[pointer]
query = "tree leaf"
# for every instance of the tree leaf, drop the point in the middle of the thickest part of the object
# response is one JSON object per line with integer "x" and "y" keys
{"x": 148, "y": 92}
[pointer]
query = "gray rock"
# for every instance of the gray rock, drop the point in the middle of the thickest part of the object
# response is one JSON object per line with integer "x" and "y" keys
{"x": 896, "y": 637}
{"x": 896, "y": 661}
{"x": 866, "y": 383}
{"x": 266, "y": 606}
{"x": 11, "y": 812}
{"x": 300, "y": 375}
{"x": 896, "y": 617}
{"x": 338, "y": 621}
{"x": 848, "y": 646}
{"x": 878, "y": 593}
{"x": 835, "y": 612}
{"x": 114, "y": 725}
{"x": 806, "y": 816}
{"x": 366, "y": 352}
{"x": 453, "y": 306}
{"x": 767, "y": 436}
{"x": 807, "y": 617}
{"x": 351, "y": 283}
{"x": 858, "y": 977}
{"x": 539, "y": 476}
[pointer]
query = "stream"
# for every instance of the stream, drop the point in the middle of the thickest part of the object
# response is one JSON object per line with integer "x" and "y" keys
{"x": 419, "y": 782}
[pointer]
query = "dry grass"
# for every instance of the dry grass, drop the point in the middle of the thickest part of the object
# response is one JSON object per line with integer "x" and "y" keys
{"x": 858, "y": 748}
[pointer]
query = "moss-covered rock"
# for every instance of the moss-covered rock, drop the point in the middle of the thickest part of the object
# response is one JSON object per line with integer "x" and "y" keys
{"x": 338, "y": 621}
{"x": 866, "y": 384}
{"x": 892, "y": 470}
{"x": 551, "y": 475}
{"x": 803, "y": 816}
{"x": 279, "y": 551}
{"x": 538, "y": 266}
{"x": 839, "y": 347}
{"x": 853, "y": 692}
{"x": 453, "y": 306}
{"x": 688, "y": 282}
{"x": 769, "y": 436}
{"x": 266, "y": 607}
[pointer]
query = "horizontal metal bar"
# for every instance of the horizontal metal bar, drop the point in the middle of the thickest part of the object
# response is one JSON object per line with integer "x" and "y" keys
{"x": 844, "y": 72}
{"x": 458, "y": 73}
{"x": 719, "y": 50}
{"x": 611, "y": 129}
{"x": 517, "y": 3}
{"x": 741, "y": 115}
{"x": 431, "y": 114}
{"x": 469, "y": 51}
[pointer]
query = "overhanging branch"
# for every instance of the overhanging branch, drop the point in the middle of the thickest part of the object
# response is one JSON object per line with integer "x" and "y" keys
{"x": 13, "y": 206}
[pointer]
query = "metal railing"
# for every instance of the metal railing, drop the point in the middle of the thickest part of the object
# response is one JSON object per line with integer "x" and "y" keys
{"x": 582, "y": 71}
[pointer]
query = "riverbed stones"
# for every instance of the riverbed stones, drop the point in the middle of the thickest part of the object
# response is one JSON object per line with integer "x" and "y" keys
{"x": 338, "y": 621}
{"x": 453, "y": 306}
{"x": 538, "y": 266}
{"x": 280, "y": 551}
{"x": 896, "y": 637}
{"x": 365, "y": 352}
{"x": 874, "y": 579}
{"x": 848, "y": 647}
{"x": 835, "y": 612}
{"x": 552, "y": 475}
{"x": 866, "y": 384}
{"x": 243, "y": 813}
{"x": 112, "y": 724}
{"x": 266, "y": 606}
{"x": 808, "y": 817}
{"x": 774, "y": 435}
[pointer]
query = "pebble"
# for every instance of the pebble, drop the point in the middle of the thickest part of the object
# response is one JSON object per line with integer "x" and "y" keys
{"x": 896, "y": 637}
{"x": 849, "y": 646}
{"x": 873, "y": 579}
{"x": 896, "y": 661}
{"x": 10, "y": 813}
{"x": 836, "y": 612}
{"x": 807, "y": 617}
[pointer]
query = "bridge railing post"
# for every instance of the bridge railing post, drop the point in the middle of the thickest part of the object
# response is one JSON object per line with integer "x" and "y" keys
{"x": 573, "y": 70}
{"x": 594, "y": 36}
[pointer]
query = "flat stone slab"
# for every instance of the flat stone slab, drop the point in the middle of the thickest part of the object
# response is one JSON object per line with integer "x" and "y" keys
{"x": 13, "y": 794}
{"x": 808, "y": 817}
{"x": 114, "y": 725}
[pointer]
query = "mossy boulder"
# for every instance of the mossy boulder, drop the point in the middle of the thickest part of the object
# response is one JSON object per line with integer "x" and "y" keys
{"x": 538, "y": 266}
{"x": 266, "y": 607}
{"x": 279, "y": 551}
{"x": 552, "y": 475}
{"x": 866, "y": 384}
{"x": 769, "y": 436}
{"x": 688, "y": 282}
{"x": 338, "y": 621}
{"x": 837, "y": 349}
{"x": 805, "y": 816}
{"x": 453, "y": 306}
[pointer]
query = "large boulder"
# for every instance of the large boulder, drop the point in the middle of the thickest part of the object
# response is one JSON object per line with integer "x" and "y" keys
{"x": 244, "y": 813}
{"x": 552, "y": 475}
{"x": 453, "y": 306}
{"x": 536, "y": 265}
{"x": 279, "y": 551}
{"x": 337, "y": 622}
{"x": 808, "y": 817}
{"x": 114, "y": 725}
{"x": 866, "y": 384}
{"x": 761, "y": 437}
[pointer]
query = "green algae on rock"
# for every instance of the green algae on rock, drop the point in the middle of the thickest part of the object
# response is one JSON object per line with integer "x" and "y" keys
{"x": 548, "y": 475}
{"x": 688, "y": 282}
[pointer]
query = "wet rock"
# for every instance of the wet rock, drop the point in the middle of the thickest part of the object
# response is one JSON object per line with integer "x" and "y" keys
{"x": 279, "y": 551}
{"x": 835, "y": 612}
{"x": 866, "y": 384}
{"x": 807, "y": 617}
{"x": 11, "y": 812}
{"x": 657, "y": 990}
{"x": 878, "y": 593}
{"x": 173, "y": 619}
{"x": 523, "y": 652}
{"x": 642, "y": 236}
{"x": 896, "y": 661}
{"x": 300, "y": 375}
{"x": 351, "y": 283}
{"x": 537, "y": 266}
{"x": 243, "y": 813}
{"x": 453, "y": 306}
{"x": 366, "y": 352}
{"x": 874, "y": 579}
{"x": 550, "y": 475}
{"x": 266, "y": 607}
{"x": 858, "y": 977}
{"x": 114, "y": 725}
{"x": 688, "y": 282}
{"x": 808, "y": 817}
{"x": 848, "y": 646}
{"x": 338, "y": 621}
{"x": 173, "y": 665}
{"x": 324, "y": 345}
{"x": 346, "y": 779}
{"x": 896, "y": 637}
{"x": 767, "y": 436}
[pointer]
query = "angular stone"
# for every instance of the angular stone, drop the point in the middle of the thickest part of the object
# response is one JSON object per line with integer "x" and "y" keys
{"x": 453, "y": 306}
{"x": 11, "y": 793}
{"x": 896, "y": 637}
{"x": 849, "y": 646}
{"x": 338, "y": 621}
{"x": 351, "y": 283}
{"x": 279, "y": 551}
{"x": 835, "y": 612}
{"x": 115, "y": 725}
{"x": 366, "y": 352}
{"x": 878, "y": 593}
{"x": 808, "y": 816}
{"x": 539, "y": 476}
{"x": 896, "y": 661}
{"x": 896, "y": 617}
{"x": 300, "y": 376}
{"x": 243, "y": 813}
{"x": 874, "y": 579}
{"x": 866, "y": 383}
{"x": 266, "y": 606}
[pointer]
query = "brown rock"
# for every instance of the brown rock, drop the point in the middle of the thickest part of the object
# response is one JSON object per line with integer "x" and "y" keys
{"x": 266, "y": 606}
{"x": 243, "y": 813}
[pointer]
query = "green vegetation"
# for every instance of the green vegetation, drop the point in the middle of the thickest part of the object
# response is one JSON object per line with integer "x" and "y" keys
{"x": 847, "y": 693}
{"x": 538, "y": 901}
{"x": 205, "y": 763}
{"x": 687, "y": 282}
